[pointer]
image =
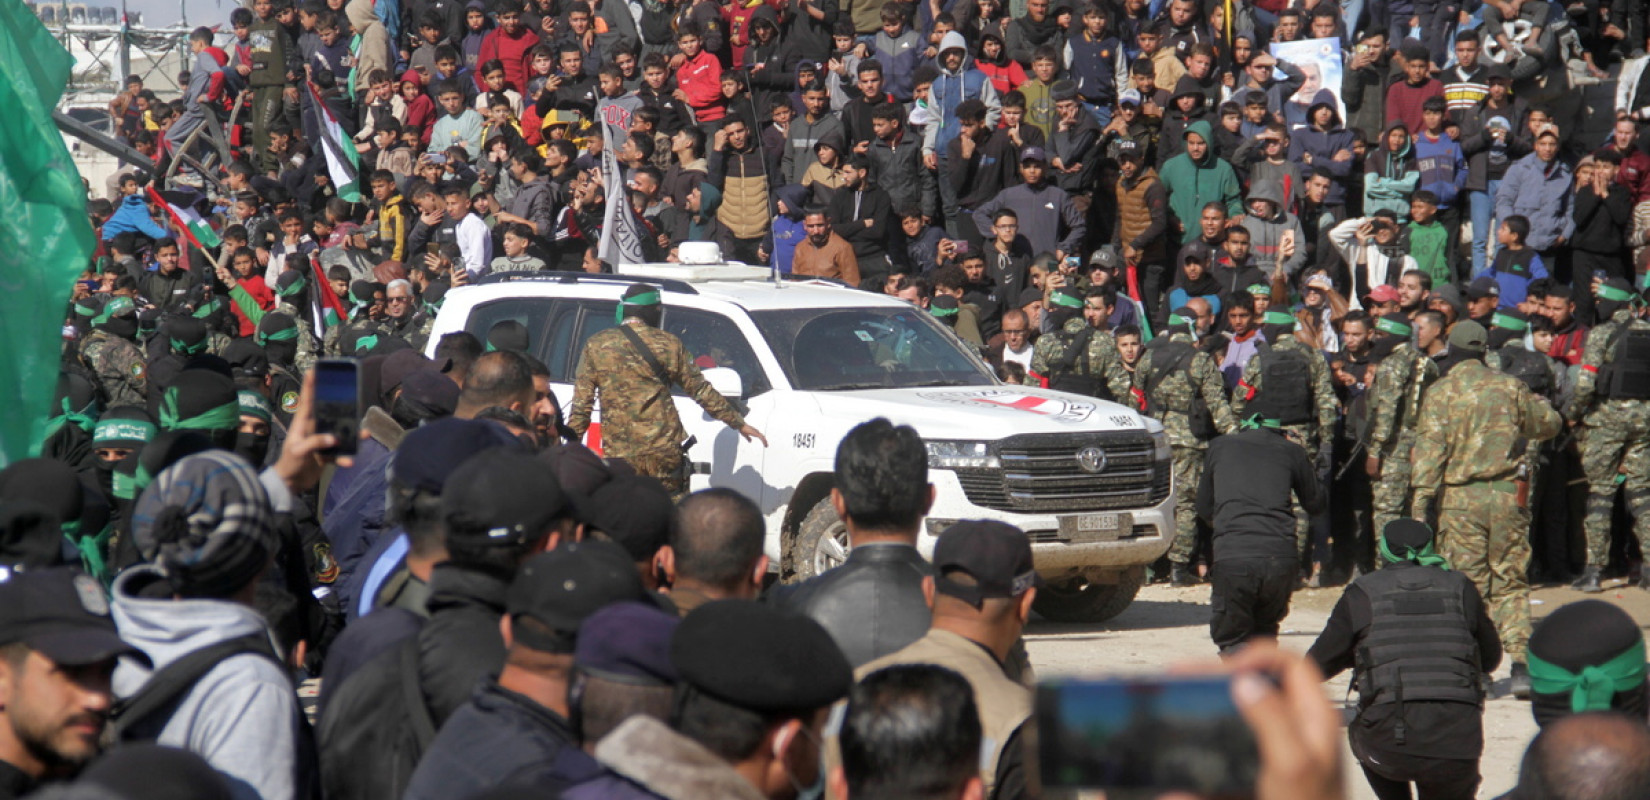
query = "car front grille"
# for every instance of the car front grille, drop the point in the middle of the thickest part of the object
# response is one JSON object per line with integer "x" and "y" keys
{"x": 1044, "y": 473}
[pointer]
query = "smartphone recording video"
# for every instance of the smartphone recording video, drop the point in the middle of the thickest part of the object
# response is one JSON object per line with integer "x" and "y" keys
{"x": 337, "y": 405}
{"x": 1145, "y": 736}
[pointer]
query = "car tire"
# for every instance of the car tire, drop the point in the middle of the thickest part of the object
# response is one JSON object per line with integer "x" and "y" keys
{"x": 1078, "y": 600}
{"x": 821, "y": 544}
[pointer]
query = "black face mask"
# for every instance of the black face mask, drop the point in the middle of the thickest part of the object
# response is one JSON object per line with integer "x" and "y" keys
{"x": 252, "y": 447}
{"x": 105, "y": 476}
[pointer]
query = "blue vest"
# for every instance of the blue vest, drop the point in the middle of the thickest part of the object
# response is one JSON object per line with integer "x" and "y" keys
{"x": 948, "y": 91}
{"x": 1092, "y": 65}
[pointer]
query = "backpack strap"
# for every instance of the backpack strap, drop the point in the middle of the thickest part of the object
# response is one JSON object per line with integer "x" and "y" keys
{"x": 412, "y": 694}
{"x": 652, "y": 360}
{"x": 1077, "y": 346}
{"x": 1161, "y": 375}
{"x": 168, "y": 685}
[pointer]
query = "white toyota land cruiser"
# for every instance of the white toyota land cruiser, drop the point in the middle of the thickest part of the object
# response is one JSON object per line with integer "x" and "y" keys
{"x": 1088, "y": 480}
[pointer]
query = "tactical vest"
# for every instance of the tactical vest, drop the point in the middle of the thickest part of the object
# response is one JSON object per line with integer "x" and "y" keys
{"x": 1629, "y": 367}
{"x": 1072, "y": 371}
{"x": 1133, "y": 217}
{"x": 1003, "y": 704}
{"x": 1420, "y": 644}
{"x": 1286, "y": 381}
{"x": 1170, "y": 358}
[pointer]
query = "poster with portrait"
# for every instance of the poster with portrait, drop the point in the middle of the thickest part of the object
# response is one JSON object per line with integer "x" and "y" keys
{"x": 1320, "y": 59}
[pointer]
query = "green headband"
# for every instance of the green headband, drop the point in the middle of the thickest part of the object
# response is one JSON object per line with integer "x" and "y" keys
{"x": 85, "y": 311}
{"x": 1508, "y": 323}
{"x": 226, "y": 417}
{"x": 643, "y": 299}
{"x": 84, "y": 419}
{"x": 1593, "y": 687}
{"x": 1427, "y": 556}
{"x": 296, "y": 287}
{"x": 1259, "y": 288}
{"x": 186, "y": 348}
{"x": 207, "y": 309}
{"x": 1393, "y": 327}
{"x": 253, "y": 404}
{"x": 1177, "y": 320}
{"x": 366, "y": 343}
{"x": 115, "y": 306}
{"x": 1065, "y": 300}
{"x": 283, "y": 335}
{"x": 1608, "y": 292}
{"x": 1278, "y": 318}
{"x": 1258, "y": 421}
{"x": 433, "y": 308}
{"x": 944, "y": 312}
{"x": 122, "y": 430}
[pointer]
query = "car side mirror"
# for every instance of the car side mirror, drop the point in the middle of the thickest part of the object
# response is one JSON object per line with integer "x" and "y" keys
{"x": 726, "y": 382}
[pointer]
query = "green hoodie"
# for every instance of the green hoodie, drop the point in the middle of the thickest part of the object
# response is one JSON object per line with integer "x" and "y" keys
{"x": 1194, "y": 184}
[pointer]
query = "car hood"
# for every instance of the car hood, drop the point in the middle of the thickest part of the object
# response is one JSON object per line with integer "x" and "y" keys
{"x": 981, "y": 412}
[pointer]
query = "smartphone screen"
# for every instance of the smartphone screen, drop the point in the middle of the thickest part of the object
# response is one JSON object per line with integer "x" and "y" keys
{"x": 1141, "y": 737}
{"x": 962, "y": 246}
{"x": 337, "y": 405}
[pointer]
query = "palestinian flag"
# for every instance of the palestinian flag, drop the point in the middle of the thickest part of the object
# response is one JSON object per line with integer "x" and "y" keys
{"x": 331, "y": 309}
{"x": 180, "y": 205}
{"x": 343, "y": 163}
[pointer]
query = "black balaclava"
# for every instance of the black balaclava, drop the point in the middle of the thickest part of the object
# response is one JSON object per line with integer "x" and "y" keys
{"x": 278, "y": 333}
{"x": 186, "y": 336}
{"x": 203, "y": 401}
{"x": 128, "y": 427}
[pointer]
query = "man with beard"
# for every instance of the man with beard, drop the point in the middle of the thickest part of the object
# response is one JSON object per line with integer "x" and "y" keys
{"x": 823, "y": 253}
{"x": 58, "y": 649}
{"x": 1414, "y": 290}
{"x": 860, "y": 213}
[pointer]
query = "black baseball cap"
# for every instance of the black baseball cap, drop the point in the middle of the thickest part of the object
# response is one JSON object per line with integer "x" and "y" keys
{"x": 63, "y": 614}
{"x": 501, "y": 497}
{"x": 559, "y": 589}
{"x": 980, "y": 559}
{"x": 634, "y": 511}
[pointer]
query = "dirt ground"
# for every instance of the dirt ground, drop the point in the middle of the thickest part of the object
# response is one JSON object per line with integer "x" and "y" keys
{"x": 1166, "y": 626}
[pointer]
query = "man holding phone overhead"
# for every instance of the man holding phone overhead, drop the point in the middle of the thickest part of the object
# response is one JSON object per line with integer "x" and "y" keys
{"x": 632, "y": 368}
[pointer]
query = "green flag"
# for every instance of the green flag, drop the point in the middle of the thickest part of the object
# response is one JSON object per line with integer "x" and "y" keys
{"x": 43, "y": 224}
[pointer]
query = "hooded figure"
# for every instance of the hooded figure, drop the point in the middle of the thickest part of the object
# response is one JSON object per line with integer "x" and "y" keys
{"x": 1195, "y": 183}
{"x": 787, "y": 223}
{"x": 1266, "y": 231}
{"x": 1323, "y": 141}
{"x": 954, "y": 85}
{"x": 701, "y": 225}
{"x": 1391, "y": 173}
{"x": 371, "y": 45}
{"x": 1175, "y": 121}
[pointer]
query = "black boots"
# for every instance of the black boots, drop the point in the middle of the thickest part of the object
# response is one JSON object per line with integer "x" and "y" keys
{"x": 1521, "y": 674}
{"x": 1180, "y": 576}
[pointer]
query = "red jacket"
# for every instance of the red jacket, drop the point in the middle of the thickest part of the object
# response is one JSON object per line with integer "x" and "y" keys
{"x": 701, "y": 79}
{"x": 1567, "y": 345}
{"x": 1634, "y": 172}
{"x": 512, "y": 50}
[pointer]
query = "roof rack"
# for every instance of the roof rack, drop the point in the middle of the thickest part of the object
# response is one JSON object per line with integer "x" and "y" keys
{"x": 667, "y": 284}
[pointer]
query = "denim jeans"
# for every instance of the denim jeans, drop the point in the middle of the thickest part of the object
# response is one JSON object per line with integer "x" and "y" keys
{"x": 1482, "y": 207}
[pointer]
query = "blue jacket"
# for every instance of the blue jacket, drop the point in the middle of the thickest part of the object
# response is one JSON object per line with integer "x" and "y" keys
{"x": 501, "y": 738}
{"x": 1540, "y": 192}
{"x": 1443, "y": 168}
{"x": 1323, "y": 145}
{"x": 133, "y": 217}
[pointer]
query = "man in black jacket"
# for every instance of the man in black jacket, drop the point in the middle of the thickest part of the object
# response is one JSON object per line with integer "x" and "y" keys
{"x": 1420, "y": 643}
{"x": 1244, "y": 495}
{"x": 979, "y": 165}
{"x": 873, "y": 604}
{"x": 859, "y": 212}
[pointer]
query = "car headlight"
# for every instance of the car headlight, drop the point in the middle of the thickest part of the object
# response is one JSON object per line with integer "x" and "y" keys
{"x": 1160, "y": 446}
{"x": 961, "y": 455}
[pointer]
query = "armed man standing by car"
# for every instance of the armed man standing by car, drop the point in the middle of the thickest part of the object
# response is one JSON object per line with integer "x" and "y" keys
{"x": 1077, "y": 357}
{"x": 1182, "y": 388}
{"x": 1296, "y": 377}
{"x": 1475, "y": 424}
{"x": 1612, "y": 406}
{"x": 1248, "y": 478}
{"x": 1419, "y": 643}
{"x": 1401, "y": 380}
{"x": 632, "y": 367}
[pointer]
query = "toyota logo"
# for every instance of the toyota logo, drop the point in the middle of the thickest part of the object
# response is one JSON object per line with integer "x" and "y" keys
{"x": 1091, "y": 459}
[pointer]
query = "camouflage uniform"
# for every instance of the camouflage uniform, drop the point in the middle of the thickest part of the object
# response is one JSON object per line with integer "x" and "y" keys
{"x": 1173, "y": 394}
{"x": 415, "y": 331}
{"x": 332, "y": 344}
{"x": 1308, "y": 435}
{"x": 120, "y": 368}
{"x": 1401, "y": 380}
{"x": 1103, "y": 360}
{"x": 1615, "y": 444}
{"x": 639, "y": 419}
{"x": 1471, "y": 423}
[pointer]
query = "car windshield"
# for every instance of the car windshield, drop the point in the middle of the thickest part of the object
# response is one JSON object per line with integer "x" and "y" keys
{"x": 830, "y": 349}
